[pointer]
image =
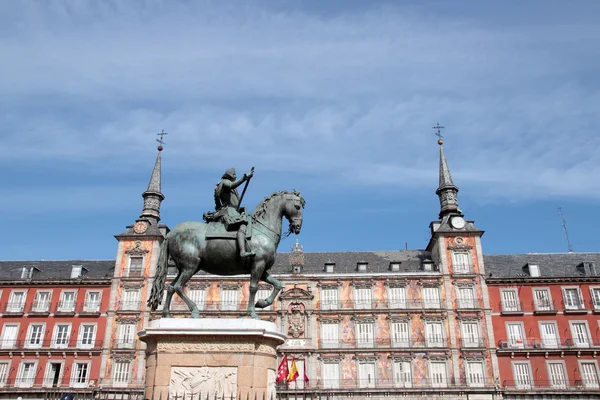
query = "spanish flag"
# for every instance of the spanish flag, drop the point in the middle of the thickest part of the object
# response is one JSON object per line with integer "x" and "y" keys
{"x": 293, "y": 371}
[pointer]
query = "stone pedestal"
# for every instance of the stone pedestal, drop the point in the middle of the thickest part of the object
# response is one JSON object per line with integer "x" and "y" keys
{"x": 211, "y": 356}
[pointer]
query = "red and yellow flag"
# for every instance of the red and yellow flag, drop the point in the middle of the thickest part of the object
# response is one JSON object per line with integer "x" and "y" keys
{"x": 293, "y": 371}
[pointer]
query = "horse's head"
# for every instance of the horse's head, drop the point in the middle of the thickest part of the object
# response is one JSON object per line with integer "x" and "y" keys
{"x": 294, "y": 203}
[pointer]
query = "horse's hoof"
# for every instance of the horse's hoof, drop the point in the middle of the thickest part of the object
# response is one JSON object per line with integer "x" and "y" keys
{"x": 254, "y": 315}
{"x": 262, "y": 303}
{"x": 195, "y": 314}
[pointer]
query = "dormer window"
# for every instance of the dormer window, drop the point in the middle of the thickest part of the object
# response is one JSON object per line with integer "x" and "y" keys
{"x": 428, "y": 265}
{"x": 27, "y": 273}
{"x": 395, "y": 266}
{"x": 589, "y": 268}
{"x": 76, "y": 271}
{"x": 329, "y": 266}
{"x": 362, "y": 267}
{"x": 297, "y": 269}
{"x": 534, "y": 270}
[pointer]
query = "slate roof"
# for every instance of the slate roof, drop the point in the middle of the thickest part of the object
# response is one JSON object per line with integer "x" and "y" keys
{"x": 52, "y": 270}
{"x": 550, "y": 264}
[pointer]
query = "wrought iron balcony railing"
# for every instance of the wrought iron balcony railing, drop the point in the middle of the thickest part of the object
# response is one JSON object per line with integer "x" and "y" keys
{"x": 511, "y": 307}
{"x": 407, "y": 383}
{"x": 544, "y": 306}
{"x": 46, "y": 344}
{"x": 380, "y": 305}
{"x": 547, "y": 343}
{"x": 383, "y": 343}
{"x": 550, "y": 385}
{"x": 579, "y": 305}
{"x": 13, "y": 307}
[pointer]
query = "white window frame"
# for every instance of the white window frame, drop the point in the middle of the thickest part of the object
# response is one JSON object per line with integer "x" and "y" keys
{"x": 330, "y": 298}
{"x": 539, "y": 302}
{"x": 567, "y": 304}
{"x": 198, "y": 296}
{"x": 45, "y": 307}
{"x": 534, "y": 270}
{"x": 522, "y": 384}
{"x": 435, "y": 382}
{"x": 4, "y": 372}
{"x": 74, "y": 378}
{"x": 431, "y": 300}
{"x": 515, "y": 343}
{"x": 131, "y": 302}
{"x": 18, "y": 307}
{"x": 365, "y": 334}
{"x": 330, "y": 336}
{"x": 330, "y": 382}
{"x": 587, "y": 383}
{"x": 400, "y": 333}
{"x": 480, "y": 380}
{"x": 397, "y": 296}
{"x": 121, "y": 373}
{"x": 549, "y": 342}
{"x": 48, "y": 381}
{"x": 462, "y": 262}
{"x": 595, "y": 298}
{"x": 10, "y": 343}
{"x": 465, "y": 327}
{"x": 126, "y": 335}
{"x": 465, "y": 302}
{"x": 403, "y": 373}
{"x": 129, "y": 269}
{"x": 230, "y": 299}
{"x": 508, "y": 304}
{"x": 22, "y": 381}
{"x": 363, "y": 298}
{"x": 76, "y": 271}
{"x": 432, "y": 338}
{"x": 40, "y": 339}
{"x": 575, "y": 336}
{"x": 90, "y": 307}
{"x": 80, "y": 338}
{"x": 61, "y": 345}
{"x": 366, "y": 382}
{"x": 63, "y": 306}
{"x": 557, "y": 382}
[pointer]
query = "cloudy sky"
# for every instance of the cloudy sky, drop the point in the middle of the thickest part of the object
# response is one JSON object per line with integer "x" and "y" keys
{"x": 336, "y": 99}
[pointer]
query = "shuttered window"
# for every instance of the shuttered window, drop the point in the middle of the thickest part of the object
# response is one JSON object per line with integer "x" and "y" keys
{"x": 330, "y": 335}
{"x": 589, "y": 374}
{"x": 580, "y": 334}
{"x": 549, "y": 334}
{"x": 397, "y": 297}
{"x": 9, "y": 336}
{"x": 466, "y": 298}
{"x": 331, "y": 375}
{"x": 431, "y": 297}
{"x": 198, "y": 296}
{"x": 522, "y": 375}
{"x": 400, "y": 334}
{"x": 572, "y": 299}
{"x": 121, "y": 373}
{"x": 470, "y": 334}
{"x": 363, "y": 298}
{"x": 364, "y": 334}
{"x": 461, "y": 262}
{"x": 229, "y": 299}
{"x": 126, "y": 335}
{"x": 329, "y": 299}
{"x": 510, "y": 300}
{"x": 402, "y": 374}
{"x": 366, "y": 375}
{"x": 542, "y": 301}
{"x": 433, "y": 334}
{"x": 515, "y": 335}
{"x": 557, "y": 375}
{"x": 3, "y": 373}
{"x": 437, "y": 374}
{"x": 475, "y": 374}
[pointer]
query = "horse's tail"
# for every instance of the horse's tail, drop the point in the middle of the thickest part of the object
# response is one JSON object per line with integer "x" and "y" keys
{"x": 156, "y": 294}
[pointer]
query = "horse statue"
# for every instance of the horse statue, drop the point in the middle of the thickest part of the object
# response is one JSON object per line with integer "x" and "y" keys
{"x": 192, "y": 248}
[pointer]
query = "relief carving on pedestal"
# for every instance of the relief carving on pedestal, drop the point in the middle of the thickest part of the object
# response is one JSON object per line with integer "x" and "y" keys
{"x": 191, "y": 346}
{"x": 216, "y": 382}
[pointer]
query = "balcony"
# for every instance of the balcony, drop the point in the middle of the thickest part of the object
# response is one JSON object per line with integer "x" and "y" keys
{"x": 544, "y": 345}
{"x": 414, "y": 384}
{"x": 65, "y": 307}
{"x": 381, "y": 305}
{"x": 125, "y": 344}
{"x": 134, "y": 273}
{"x": 511, "y": 307}
{"x": 39, "y": 307}
{"x": 129, "y": 306}
{"x": 576, "y": 307}
{"x": 545, "y": 385}
{"x": 13, "y": 308}
{"x": 463, "y": 269}
{"x": 467, "y": 304}
{"x": 472, "y": 343}
{"x": 412, "y": 343}
{"x": 90, "y": 308}
{"x": 50, "y": 345}
{"x": 544, "y": 307}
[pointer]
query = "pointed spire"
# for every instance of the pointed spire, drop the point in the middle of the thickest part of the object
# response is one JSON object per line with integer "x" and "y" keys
{"x": 153, "y": 195}
{"x": 447, "y": 192}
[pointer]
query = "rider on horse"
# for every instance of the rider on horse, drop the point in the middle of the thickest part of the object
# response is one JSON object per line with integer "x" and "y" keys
{"x": 227, "y": 206}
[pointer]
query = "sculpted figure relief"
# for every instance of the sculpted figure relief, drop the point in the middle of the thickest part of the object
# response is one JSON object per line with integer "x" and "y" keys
{"x": 230, "y": 242}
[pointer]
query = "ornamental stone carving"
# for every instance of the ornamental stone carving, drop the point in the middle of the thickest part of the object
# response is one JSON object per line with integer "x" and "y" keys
{"x": 217, "y": 382}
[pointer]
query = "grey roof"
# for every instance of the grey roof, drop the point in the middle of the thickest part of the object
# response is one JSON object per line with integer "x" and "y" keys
{"x": 550, "y": 264}
{"x": 52, "y": 270}
{"x": 346, "y": 262}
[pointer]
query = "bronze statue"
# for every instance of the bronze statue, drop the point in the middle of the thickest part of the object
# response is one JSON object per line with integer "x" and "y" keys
{"x": 195, "y": 246}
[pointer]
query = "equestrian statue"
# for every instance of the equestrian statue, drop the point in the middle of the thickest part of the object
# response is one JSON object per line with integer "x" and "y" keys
{"x": 229, "y": 242}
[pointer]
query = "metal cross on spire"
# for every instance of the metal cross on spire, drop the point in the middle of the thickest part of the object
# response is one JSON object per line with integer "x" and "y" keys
{"x": 438, "y": 133}
{"x": 161, "y": 140}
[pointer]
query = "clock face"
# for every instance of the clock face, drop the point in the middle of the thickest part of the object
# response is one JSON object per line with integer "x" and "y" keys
{"x": 458, "y": 222}
{"x": 140, "y": 227}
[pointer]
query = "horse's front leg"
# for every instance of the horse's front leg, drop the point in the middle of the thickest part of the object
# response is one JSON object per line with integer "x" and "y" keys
{"x": 258, "y": 267}
{"x": 277, "y": 287}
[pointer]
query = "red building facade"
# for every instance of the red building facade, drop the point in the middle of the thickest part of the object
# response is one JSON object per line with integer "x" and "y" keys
{"x": 545, "y": 311}
{"x": 52, "y": 325}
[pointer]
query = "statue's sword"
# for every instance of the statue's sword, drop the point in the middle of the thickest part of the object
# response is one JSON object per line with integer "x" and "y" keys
{"x": 244, "y": 191}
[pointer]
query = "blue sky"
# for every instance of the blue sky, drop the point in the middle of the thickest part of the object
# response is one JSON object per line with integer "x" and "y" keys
{"x": 336, "y": 99}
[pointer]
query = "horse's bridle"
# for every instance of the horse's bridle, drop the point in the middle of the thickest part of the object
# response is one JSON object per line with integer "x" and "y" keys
{"x": 277, "y": 235}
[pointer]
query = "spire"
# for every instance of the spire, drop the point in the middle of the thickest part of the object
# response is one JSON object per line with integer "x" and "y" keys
{"x": 447, "y": 192}
{"x": 153, "y": 196}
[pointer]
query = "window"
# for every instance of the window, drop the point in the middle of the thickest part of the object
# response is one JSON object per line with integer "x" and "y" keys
{"x": 53, "y": 375}
{"x": 35, "y": 333}
{"x": 363, "y": 297}
{"x": 80, "y": 374}
{"x": 522, "y": 375}
{"x": 402, "y": 374}
{"x": 329, "y": 299}
{"x": 4, "y": 368}
{"x": 9, "y": 336}
{"x": 329, "y": 267}
{"x": 16, "y": 302}
{"x": 299, "y": 382}
{"x": 331, "y": 375}
{"x": 87, "y": 335}
{"x": 433, "y": 334}
{"x": 76, "y": 271}
{"x": 126, "y": 336}
{"x": 475, "y": 374}
{"x": 92, "y": 302}
{"x": 366, "y": 375}
{"x": 572, "y": 299}
{"x": 395, "y": 266}
{"x": 470, "y": 335}
{"x": 461, "y": 262}
{"x": 41, "y": 303}
{"x": 437, "y": 374}
{"x": 135, "y": 267}
{"x": 589, "y": 374}
{"x": 557, "y": 375}
{"x": 330, "y": 334}
{"x": 229, "y": 299}
{"x": 121, "y": 373}
{"x": 579, "y": 332}
{"x": 361, "y": 267}
{"x": 264, "y": 294}
{"x": 131, "y": 300}
{"x": 364, "y": 334}
{"x": 397, "y": 297}
{"x": 25, "y": 272}
{"x": 61, "y": 336}
{"x": 534, "y": 270}
{"x": 431, "y": 297}
{"x": 67, "y": 301}
{"x": 400, "y": 335}
{"x": 549, "y": 334}
{"x": 514, "y": 332}
{"x": 510, "y": 301}
{"x": 26, "y": 374}
{"x": 466, "y": 298}
{"x": 542, "y": 300}
{"x": 595, "y": 292}
{"x": 198, "y": 296}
